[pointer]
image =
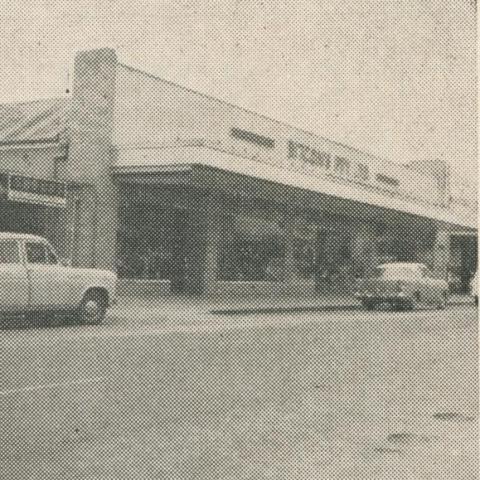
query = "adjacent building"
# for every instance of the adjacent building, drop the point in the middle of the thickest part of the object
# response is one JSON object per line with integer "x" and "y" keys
{"x": 183, "y": 193}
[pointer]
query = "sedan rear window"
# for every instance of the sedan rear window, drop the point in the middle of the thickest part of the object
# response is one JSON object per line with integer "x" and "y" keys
{"x": 9, "y": 252}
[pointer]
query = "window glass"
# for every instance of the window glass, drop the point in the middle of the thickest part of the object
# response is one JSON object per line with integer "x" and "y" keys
{"x": 9, "y": 252}
{"x": 36, "y": 253}
{"x": 252, "y": 250}
{"x": 252, "y": 260}
{"x": 151, "y": 243}
{"x": 304, "y": 256}
{"x": 51, "y": 257}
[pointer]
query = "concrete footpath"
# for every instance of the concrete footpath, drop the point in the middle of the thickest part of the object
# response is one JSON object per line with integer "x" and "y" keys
{"x": 186, "y": 306}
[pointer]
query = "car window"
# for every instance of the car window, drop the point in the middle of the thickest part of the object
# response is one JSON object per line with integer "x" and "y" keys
{"x": 9, "y": 252}
{"x": 36, "y": 253}
{"x": 40, "y": 253}
{"x": 51, "y": 257}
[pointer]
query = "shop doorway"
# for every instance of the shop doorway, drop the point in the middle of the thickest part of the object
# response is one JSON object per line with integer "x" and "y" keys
{"x": 463, "y": 262}
{"x": 334, "y": 262}
{"x": 151, "y": 244}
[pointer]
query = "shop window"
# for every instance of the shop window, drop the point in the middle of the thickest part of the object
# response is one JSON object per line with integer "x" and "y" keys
{"x": 253, "y": 250}
{"x": 304, "y": 257}
{"x": 151, "y": 243}
{"x": 342, "y": 166}
{"x": 252, "y": 260}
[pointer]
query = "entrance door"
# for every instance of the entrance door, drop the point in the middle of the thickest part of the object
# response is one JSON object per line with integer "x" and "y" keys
{"x": 469, "y": 261}
{"x": 178, "y": 280}
{"x": 321, "y": 270}
{"x": 334, "y": 266}
{"x": 463, "y": 255}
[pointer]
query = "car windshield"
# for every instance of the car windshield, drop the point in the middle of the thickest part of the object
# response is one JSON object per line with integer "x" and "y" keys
{"x": 395, "y": 271}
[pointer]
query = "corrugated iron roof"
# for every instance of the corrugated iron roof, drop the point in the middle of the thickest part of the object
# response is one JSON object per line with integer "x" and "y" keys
{"x": 32, "y": 121}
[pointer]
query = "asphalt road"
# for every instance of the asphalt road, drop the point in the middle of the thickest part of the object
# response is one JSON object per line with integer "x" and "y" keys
{"x": 350, "y": 395}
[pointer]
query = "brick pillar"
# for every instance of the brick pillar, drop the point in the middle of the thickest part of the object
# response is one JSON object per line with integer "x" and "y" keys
{"x": 289, "y": 265}
{"x": 203, "y": 236}
{"x": 195, "y": 251}
{"x": 364, "y": 250}
{"x": 91, "y": 156}
{"x": 441, "y": 253}
{"x": 214, "y": 238}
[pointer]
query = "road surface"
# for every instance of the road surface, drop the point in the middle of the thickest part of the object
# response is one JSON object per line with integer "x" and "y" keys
{"x": 339, "y": 395}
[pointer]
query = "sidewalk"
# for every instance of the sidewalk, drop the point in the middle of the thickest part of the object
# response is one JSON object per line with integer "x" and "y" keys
{"x": 183, "y": 306}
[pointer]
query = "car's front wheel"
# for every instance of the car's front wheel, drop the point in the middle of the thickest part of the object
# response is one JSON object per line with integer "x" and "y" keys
{"x": 92, "y": 309}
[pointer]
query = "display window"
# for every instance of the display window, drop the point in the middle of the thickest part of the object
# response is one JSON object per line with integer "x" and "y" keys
{"x": 252, "y": 250}
{"x": 150, "y": 243}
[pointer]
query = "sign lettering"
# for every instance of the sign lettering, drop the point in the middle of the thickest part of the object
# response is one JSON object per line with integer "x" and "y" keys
{"x": 34, "y": 190}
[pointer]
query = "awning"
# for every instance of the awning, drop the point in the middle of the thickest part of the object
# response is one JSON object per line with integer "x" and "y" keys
{"x": 147, "y": 161}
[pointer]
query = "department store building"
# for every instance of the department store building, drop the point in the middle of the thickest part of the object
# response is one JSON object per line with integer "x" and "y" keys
{"x": 180, "y": 192}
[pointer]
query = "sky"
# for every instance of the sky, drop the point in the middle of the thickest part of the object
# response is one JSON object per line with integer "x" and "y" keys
{"x": 396, "y": 78}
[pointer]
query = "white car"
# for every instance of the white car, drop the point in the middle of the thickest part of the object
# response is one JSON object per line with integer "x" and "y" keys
{"x": 403, "y": 286}
{"x": 34, "y": 281}
{"x": 474, "y": 288}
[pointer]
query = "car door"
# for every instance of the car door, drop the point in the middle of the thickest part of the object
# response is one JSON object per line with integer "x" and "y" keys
{"x": 14, "y": 286}
{"x": 50, "y": 287}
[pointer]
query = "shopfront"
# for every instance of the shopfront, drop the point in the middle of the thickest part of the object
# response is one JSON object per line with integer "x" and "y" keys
{"x": 34, "y": 206}
{"x": 185, "y": 239}
{"x": 188, "y": 194}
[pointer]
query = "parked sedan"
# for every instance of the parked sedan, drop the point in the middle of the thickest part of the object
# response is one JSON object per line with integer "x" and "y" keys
{"x": 402, "y": 286}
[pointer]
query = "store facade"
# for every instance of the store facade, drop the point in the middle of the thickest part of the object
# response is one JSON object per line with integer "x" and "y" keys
{"x": 181, "y": 193}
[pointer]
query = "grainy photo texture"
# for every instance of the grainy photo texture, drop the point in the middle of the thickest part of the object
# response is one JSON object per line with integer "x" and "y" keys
{"x": 238, "y": 240}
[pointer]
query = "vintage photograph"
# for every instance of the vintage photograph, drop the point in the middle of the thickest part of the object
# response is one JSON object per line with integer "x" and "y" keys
{"x": 238, "y": 240}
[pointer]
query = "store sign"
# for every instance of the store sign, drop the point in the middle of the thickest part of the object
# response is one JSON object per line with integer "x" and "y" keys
{"x": 308, "y": 155}
{"x": 34, "y": 190}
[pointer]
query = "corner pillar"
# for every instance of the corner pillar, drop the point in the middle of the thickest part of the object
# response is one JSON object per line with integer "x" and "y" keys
{"x": 364, "y": 249}
{"x": 203, "y": 236}
{"x": 441, "y": 253}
